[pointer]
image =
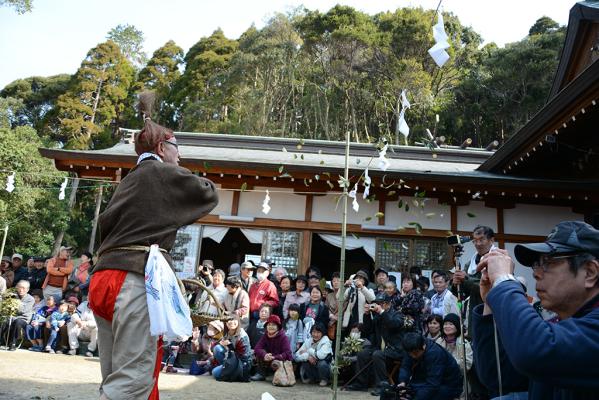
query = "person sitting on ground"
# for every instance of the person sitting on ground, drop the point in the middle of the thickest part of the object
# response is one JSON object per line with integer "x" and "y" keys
{"x": 236, "y": 340}
{"x": 38, "y": 300}
{"x": 314, "y": 311}
{"x": 451, "y": 340}
{"x": 430, "y": 371}
{"x": 263, "y": 291}
{"x": 205, "y": 346}
{"x": 57, "y": 319}
{"x": 315, "y": 356}
{"x": 272, "y": 346}
{"x": 434, "y": 325}
{"x": 35, "y": 327}
{"x": 258, "y": 326}
{"x": 18, "y": 323}
{"x": 83, "y": 327}
{"x": 237, "y": 301}
{"x": 294, "y": 328}
{"x": 357, "y": 295}
{"x": 298, "y": 296}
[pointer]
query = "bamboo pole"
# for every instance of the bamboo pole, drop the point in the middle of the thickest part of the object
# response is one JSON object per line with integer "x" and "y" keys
{"x": 5, "y": 229}
{"x": 92, "y": 239}
{"x": 341, "y": 271}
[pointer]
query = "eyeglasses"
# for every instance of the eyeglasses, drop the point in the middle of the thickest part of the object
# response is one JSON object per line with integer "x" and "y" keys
{"x": 172, "y": 144}
{"x": 544, "y": 261}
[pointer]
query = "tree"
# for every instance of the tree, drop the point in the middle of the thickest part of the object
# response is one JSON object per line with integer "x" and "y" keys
{"x": 95, "y": 98}
{"x": 20, "y": 6}
{"x": 130, "y": 40}
{"x": 543, "y": 25}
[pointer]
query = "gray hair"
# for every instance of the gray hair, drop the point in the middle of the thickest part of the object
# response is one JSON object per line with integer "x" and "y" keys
{"x": 23, "y": 283}
{"x": 220, "y": 272}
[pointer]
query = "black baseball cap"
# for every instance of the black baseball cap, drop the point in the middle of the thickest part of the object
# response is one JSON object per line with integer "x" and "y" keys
{"x": 569, "y": 237}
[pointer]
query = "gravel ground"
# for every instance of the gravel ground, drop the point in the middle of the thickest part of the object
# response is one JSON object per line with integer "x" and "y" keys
{"x": 25, "y": 375}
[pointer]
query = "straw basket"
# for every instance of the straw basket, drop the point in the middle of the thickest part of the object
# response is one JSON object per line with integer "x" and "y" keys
{"x": 204, "y": 318}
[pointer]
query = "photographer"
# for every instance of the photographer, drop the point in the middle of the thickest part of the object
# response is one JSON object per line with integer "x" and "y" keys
{"x": 560, "y": 359}
{"x": 357, "y": 294}
{"x": 430, "y": 371}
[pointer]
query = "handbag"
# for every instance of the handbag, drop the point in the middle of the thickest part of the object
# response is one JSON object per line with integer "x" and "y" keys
{"x": 284, "y": 375}
{"x": 232, "y": 368}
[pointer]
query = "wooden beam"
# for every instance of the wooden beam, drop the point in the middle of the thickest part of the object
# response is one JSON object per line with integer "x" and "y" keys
{"x": 382, "y": 203}
{"x": 309, "y": 205}
{"x": 306, "y": 252}
{"x": 235, "y": 203}
{"x": 454, "y": 218}
{"x": 500, "y": 228}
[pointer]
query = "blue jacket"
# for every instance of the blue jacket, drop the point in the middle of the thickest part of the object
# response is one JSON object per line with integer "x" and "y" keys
{"x": 436, "y": 368}
{"x": 483, "y": 347}
{"x": 561, "y": 359}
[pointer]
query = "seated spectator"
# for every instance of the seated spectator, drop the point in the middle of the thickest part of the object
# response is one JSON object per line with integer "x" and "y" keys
{"x": 6, "y": 271}
{"x": 430, "y": 371}
{"x": 258, "y": 326}
{"x": 443, "y": 301}
{"x": 20, "y": 270}
{"x": 38, "y": 300}
{"x": 237, "y": 301}
{"x": 263, "y": 291}
{"x": 38, "y": 321}
{"x": 82, "y": 326}
{"x": 272, "y": 346}
{"x": 294, "y": 328}
{"x": 357, "y": 294}
{"x": 314, "y": 311}
{"x": 315, "y": 357}
{"x": 37, "y": 274}
{"x": 56, "y": 320}
{"x": 452, "y": 341}
{"x": 236, "y": 340}
{"x": 412, "y": 302}
{"x": 82, "y": 271}
{"x": 205, "y": 345}
{"x": 279, "y": 273}
{"x": 18, "y": 323}
{"x": 299, "y": 296}
{"x": 434, "y": 323}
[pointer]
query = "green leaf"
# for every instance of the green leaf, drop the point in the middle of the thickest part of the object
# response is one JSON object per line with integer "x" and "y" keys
{"x": 471, "y": 215}
{"x": 302, "y": 156}
{"x": 206, "y": 166}
{"x": 379, "y": 215}
{"x": 295, "y": 156}
{"x": 244, "y": 186}
{"x": 416, "y": 226}
{"x": 391, "y": 193}
{"x": 281, "y": 169}
{"x": 317, "y": 177}
{"x": 285, "y": 175}
{"x": 321, "y": 162}
{"x": 430, "y": 215}
{"x": 330, "y": 185}
{"x": 400, "y": 203}
{"x": 367, "y": 218}
{"x": 356, "y": 236}
{"x": 407, "y": 207}
{"x": 305, "y": 182}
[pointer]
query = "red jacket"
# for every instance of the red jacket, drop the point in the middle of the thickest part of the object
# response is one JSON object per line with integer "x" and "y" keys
{"x": 263, "y": 292}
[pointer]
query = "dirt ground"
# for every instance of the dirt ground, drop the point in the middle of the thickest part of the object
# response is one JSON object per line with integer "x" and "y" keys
{"x": 25, "y": 375}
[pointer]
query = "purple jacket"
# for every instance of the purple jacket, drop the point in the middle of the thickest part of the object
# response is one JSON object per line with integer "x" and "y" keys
{"x": 278, "y": 346}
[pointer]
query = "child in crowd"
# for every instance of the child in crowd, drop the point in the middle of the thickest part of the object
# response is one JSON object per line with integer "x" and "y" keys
{"x": 205, "y": 348}
{"x": 57, "y": 319}
{"x": 34, "y": 329}
{"x": 294, "y": 327}
{"x": 38, "y": 298}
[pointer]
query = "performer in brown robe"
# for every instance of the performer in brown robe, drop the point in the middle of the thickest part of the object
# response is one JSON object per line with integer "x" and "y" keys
{"x": 151, "y": 203}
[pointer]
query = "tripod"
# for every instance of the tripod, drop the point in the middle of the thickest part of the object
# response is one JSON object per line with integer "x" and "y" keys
{"x": 458, "y": 251}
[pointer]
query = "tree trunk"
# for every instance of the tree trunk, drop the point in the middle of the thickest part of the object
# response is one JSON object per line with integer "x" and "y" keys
{"x": 60, "y": 236}
{"x": 92, "y": 239}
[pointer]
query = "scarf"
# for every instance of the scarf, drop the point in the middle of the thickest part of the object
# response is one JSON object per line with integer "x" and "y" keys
{"x": 147, "y": 155}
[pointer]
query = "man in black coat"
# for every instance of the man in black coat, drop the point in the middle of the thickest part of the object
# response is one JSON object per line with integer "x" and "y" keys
{"x": 431, "y": 372}
{"x": 37, "y": 274}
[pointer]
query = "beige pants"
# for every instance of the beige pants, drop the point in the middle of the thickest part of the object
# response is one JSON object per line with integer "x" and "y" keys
{"x": 127, "y": 351}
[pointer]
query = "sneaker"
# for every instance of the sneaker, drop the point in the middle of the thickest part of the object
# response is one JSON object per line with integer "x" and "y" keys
{"x": 72, "y": 352}
{"x": 36, "y": 348}
{"x": 89, "y": 354}
{"x": 171, "y": 369}
{"x": 50, "y": 350}
{"x": 257, "y": 377}
{"x": 355, "y": 387}
{"x": 12, "y": 348}
{"x": 47, "y": 349}
{"x": 323, "y": 383}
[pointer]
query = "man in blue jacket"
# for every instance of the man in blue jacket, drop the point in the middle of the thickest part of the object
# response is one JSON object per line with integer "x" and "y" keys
{"x": 431, "y": 372}
{"x": 560, "y": 359}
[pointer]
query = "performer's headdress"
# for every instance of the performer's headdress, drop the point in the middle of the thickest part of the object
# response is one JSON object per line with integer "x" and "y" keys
{"x": 152, "y": 133}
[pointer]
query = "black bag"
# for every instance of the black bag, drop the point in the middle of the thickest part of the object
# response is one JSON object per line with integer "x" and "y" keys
{"x": 232, "y": 368}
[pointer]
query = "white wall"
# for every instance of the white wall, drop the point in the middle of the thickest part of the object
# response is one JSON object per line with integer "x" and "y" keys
{"x": 439, "y": 216}
{"x": 530, "y": 219}
{"x": 326, "y": 209}
{"x": 225, "y": 200}
{"x": 481, "y": 216}
{"x": 282, "y": 205}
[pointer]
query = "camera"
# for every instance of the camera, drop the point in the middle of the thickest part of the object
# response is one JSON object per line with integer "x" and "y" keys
{"x": 457, "y": 240}
{"x": 372, "y": 307}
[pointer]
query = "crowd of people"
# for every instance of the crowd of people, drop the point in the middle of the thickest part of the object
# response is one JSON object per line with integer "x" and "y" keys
{"x": 434, "y": 343}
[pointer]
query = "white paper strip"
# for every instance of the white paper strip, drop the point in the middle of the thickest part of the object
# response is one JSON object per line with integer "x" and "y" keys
{"x": 403, "y": 125}
{"x": 367, "y": 182}
{"x": 63, "y": 187}
{"x": 437, "y": 52}
{"x": 383, "y": 162}
{"x": 265, "y": 205}
{"x": 10, "y": 183}
{"x": 353, "y": 193}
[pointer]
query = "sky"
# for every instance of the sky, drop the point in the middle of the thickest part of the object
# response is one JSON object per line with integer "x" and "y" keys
{"x": 55, "y": 37}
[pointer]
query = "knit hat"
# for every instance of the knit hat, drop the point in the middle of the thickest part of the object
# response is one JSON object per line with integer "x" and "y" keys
{"x": 455, "y": 320}
{"x": 274, "y": 319}
{"x": 217, "y": 325}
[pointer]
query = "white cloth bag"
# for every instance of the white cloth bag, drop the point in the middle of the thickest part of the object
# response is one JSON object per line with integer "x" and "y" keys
{"x": 169, "y": 313}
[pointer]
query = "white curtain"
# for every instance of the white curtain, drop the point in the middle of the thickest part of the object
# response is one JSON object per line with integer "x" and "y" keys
{"x": 253, "y": 235}
{"x": 216, "y": 233}
{"x": 351, "y": 243}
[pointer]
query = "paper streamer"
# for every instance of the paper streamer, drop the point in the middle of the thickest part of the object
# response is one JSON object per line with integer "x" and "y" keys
{"x": 63, "y": 187}
{"x": 383, "y": 161}
{"x": 10, "y": 183}
{"x": 353, "y": 194}
{"x": 265, "y": 205}
{"x": 437, "y": 52}
{"x": 367, "y": 182}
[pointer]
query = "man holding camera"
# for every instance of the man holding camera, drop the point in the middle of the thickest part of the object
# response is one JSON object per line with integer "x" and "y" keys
{"x": 560, "y": 359}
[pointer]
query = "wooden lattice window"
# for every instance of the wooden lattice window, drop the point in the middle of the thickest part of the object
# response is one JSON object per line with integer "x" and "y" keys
{"x": 283, "y": 248}
{"x": 430, "y": 254}
{"x": 401, "y": 254}
{"x": 185, "y": 250}
{"x": 393, "y": 254}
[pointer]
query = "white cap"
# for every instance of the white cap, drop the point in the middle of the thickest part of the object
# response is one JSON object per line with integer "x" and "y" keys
{"x": 17, "y": 255}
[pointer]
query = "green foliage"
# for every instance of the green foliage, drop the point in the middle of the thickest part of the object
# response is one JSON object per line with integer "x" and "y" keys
{"x": 130, "y": 40}
{"x": 20, "y": 6}
{"x": 95, "y": 98}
